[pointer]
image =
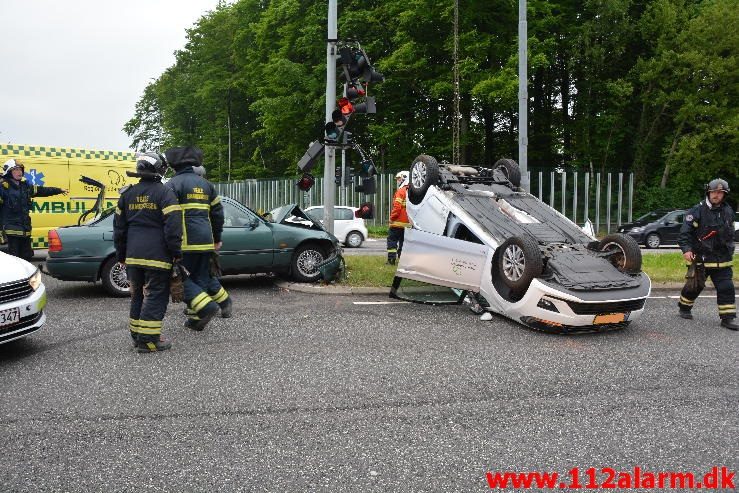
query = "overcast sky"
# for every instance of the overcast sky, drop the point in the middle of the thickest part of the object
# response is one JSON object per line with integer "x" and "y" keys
{"x": 72, "y": 70}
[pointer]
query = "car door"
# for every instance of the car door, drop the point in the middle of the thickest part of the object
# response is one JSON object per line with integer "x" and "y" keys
{"x": 670, "y": 229}
{"x": 342, "y": 222}
{"x": 247, "y": 241}
{"x": 442, "y": 261}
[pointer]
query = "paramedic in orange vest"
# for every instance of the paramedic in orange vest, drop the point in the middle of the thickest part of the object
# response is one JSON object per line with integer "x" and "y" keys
{"x": 398, "y": 219}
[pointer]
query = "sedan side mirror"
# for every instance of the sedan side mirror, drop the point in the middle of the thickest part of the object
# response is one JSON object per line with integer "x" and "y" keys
{"x": 253, "y": 223}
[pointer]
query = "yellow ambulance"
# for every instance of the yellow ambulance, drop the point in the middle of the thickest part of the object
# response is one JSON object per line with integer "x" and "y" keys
{"x": 63, "y": 167}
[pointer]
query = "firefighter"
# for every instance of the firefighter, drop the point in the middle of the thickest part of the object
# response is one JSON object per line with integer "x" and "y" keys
{"x": 398, "y": 219}
{"x": 203, "y": 224}
{"x": 707, "y": 239}
{"x": 147, "y": 233}
{"x": 16, "y": 199}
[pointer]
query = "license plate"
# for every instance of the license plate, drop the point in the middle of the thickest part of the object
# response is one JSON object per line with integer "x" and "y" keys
{"x": 10, "y": 316}
{"x": 609, "y": 318}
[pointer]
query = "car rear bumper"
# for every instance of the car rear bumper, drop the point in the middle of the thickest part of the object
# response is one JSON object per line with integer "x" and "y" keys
{"x": 77, "y": 269}
{"x": 32, "y": 316}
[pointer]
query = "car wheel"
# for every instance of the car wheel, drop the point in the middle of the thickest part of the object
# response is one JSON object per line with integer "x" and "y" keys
{"x": 511, "y": 170}
{"x": 519, "y": 262}
{"x": 354, "y": 239}
{"x": 115, "y": 280}
{"x": 424, "y": 173}
{"x": 305, "y": 263}
{"x": 626, "y": 255}
{"x": 652, "y": 241}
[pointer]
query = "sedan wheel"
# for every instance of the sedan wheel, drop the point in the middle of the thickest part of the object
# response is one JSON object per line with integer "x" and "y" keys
{"x": 305, "y": 263}
{"x": 115, "y": 280}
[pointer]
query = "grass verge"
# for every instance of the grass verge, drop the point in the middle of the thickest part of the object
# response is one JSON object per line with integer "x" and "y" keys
{"x": 372, "y": 270}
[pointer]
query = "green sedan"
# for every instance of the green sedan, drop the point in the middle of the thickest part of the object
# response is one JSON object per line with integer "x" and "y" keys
{"x": 251, "y": 244}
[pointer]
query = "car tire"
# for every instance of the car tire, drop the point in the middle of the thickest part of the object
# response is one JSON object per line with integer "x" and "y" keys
{"x": 519, "y": 262}
{"x": 115, "y": 281}
{"x": 354, "y": 239}
{"x": 511, "y": 170}
{"x": 305, "y": 263}
{"x": 652, "y": 240}
{"x": 627, "y": 255}
{"x": 424, "y": 172}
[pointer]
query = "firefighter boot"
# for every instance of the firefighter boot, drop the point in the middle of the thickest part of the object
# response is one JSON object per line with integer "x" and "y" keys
{"x": 226, "y": 308}
{"x": 729, "y": 323}
{"x": 153, "y": 346}
{"x": 202, "y": 320}
{"x": 686, "y": 314}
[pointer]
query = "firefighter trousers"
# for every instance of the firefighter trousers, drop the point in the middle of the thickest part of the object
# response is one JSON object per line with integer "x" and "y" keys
{"x": 149, "y": 300}
{"x": 203, "y": 293}
{"x": 722, "y": 279}
{"x": 20, "y": 246}
{"x": 394, "y": 243}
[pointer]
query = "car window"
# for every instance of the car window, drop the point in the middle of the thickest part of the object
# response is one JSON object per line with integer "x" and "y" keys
{"x": 343, "y": 214}
{"x": 234, "y": 216}
{"x": 675, "y": 217}
{"x": 316, "y": 214}
{"x": 651, "y": 216}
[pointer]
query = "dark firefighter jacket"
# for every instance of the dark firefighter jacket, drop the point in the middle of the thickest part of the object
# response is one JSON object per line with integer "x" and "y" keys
{"x": 709, "y": 233}
{"x": 147, "y": 228}
{"x": 16, "y": 199}
{"x": 202, "y": 211}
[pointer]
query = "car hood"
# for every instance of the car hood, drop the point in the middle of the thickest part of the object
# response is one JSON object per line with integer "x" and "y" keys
{"x": 14, "y": 269}
{"x": 280, "y": 215}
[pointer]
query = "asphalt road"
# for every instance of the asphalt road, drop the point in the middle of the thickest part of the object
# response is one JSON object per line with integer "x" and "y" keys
{"x": 299, "y": 392}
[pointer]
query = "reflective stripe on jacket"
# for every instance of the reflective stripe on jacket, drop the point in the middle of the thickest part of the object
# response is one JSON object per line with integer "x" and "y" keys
{"x": 147, "y": 228}
{"x": 398, "y": 214}
{"x": 202, "y": 211}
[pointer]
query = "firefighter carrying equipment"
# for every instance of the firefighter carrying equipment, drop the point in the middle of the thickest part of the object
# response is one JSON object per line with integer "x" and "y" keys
{"x": 708, "y": 231}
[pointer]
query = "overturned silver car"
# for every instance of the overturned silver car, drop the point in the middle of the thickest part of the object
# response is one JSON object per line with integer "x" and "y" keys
{"x": 503, "y": 250}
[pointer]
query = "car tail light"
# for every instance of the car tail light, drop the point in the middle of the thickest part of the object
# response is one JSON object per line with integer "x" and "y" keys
{"x": 55, "y": 244}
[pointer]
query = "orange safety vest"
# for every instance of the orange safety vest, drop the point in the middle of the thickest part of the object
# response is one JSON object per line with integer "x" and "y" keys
{"x": 398, "y": 215}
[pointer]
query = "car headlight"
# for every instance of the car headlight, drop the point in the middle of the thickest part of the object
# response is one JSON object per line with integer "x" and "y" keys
{"x": 35, "y": 280}
{"x": 637, "y": 229}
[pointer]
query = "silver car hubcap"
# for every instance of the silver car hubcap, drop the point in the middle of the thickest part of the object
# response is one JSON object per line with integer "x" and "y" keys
{"x": 418, "y": 174}
{"x": 119, "y": 278}
{"x": 354, "y": 240}
{"x": 308, "y": 262}
{"x": 513, "y": 262}
{"x": 653, "y": 241}
{"x": 618, "y": 257}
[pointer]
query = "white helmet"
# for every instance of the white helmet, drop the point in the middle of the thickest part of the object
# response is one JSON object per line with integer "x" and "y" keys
{"x": 403, "y": 176}
{"x": 10, "y": 165}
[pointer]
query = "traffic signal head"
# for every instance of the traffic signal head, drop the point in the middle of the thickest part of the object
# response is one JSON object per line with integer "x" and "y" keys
{"x": 332, "y": 132}
{"x": 355, "y": 90}
{"x": 365, "y": 211}
{"x": 368, "y": 106}
{"x": 315, "y": 150}
{"x": 306, "y": 182}
{"x": 368, "y": 168}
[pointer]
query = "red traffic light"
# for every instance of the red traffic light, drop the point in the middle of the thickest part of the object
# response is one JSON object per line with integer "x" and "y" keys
{"x": 306, "y": 182}
{"x": 365, "y": 211}
{"x": 345, "y": 106}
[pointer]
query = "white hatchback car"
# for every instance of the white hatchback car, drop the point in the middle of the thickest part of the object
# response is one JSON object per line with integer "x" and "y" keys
{"x": 349, "y": 229}
{"x": 22, "y": 298}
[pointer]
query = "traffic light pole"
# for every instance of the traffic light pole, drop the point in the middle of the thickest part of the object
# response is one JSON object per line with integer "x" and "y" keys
{"x": 523, "y": 96}
{"x": 329, "y": 170}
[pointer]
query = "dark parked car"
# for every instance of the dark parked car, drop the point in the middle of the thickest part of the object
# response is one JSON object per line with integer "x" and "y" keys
{"x": 251, "y": 244}
{"x": 659, "y": 227}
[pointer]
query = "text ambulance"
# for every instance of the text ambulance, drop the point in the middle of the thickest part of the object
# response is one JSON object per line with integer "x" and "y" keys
{"x": 63, "y": 167}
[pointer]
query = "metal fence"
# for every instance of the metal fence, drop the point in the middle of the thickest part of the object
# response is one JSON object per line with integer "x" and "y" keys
{"x": 605, "y": 199}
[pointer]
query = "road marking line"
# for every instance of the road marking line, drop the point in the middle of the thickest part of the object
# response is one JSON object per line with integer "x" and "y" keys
{"x": 678, "y": 297}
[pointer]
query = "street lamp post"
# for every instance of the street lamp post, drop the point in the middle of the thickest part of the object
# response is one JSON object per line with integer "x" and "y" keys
{"x": 523, "y": 95}
{"x": 330, "y": 155}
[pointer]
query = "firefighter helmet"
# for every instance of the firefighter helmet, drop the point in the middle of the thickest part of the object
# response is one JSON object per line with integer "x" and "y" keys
{"x": 402, "y": 178}
{"x": 151, "y": 162}
{"x": 717, "y": 185}
{"x": 10, "y": 165}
